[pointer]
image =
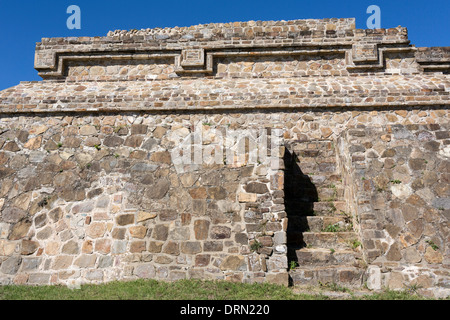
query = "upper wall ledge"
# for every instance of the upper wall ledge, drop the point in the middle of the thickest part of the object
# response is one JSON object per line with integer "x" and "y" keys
{"x": 194, "y": 49}
{"x": 317, "y": 28}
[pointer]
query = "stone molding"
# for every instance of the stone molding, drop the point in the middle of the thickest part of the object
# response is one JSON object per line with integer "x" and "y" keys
{"x": 297, "y": 37}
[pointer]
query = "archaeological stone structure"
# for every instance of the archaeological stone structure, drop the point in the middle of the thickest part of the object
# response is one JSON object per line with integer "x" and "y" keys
{"x": 299, "y": 152}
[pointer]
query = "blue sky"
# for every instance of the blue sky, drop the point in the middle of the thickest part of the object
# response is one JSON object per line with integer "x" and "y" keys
{"x": 25, "y": 22}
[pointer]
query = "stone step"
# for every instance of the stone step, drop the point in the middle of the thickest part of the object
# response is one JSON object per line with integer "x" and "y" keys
{"x": 329, "y": 240}
{"x": 314, "y": 148}
{"x": 294, "y": 239}
{"x": 313, "y": 195}
{"x": 319, "y": 158}
{"x": 328, "y": 208}
{"x": 325, "y": 179}
{"x": 324, "y": 191}
{"x": 311, "y": 168}
{"x": 317, "y": 180}
{"x": 307, "y": 257}
{"x": 320, "y": 223}
{"x": 323, "y": 208}
{"x": 346, "y": 276}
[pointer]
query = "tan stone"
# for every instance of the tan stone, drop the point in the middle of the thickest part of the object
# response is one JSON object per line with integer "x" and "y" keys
{"x": 62, "y": 262}
{"x": 281, "y": 278}
{"x": 125, "y": 219}
{"x": 85, "y": 261}
{"x": 97, "y": 71}
{"x": 87, "y": 246}
{"x": 188, "y": 179}
{"x": 395, "y": 281}
{"x": 109, "y": 120}
{"x": 3, "y": 158}
{"x": 88, "y": 130}
{"x": 162, "y": 157}
{"x": 391, "y": 117}
{"x": 96, "y": 229}
{"x": 52, "y": 248}
{"x": 138, "y": 231}
{"x": 326, "y": 132}
{"x": 423, "y": 281}
{"x": 137, "y": 246}
{"x": 159, "y": 132}
{"x": 103, "y": 246}
{"x": 247, "y": 197}
{"x": 38, "y": 129}
{"x": 433, "y": 256}
{"x": 198, "y": 193}
{"x": 143, "y": 216}
{"x": 20, "y": 230}
{"x": 171, "y": 248}
{"x": 402, "y": 113}
{"x": 201, "y": 229}
{"x": 155, "y": 246}
{"x": 233, "y": 263}
{"x": 33, "y": 143}
{"x": 22, "y": 201}
{"x": 21, "y": 279}
{"x": 29, "y": 247}
{"x": 7, "y": 247}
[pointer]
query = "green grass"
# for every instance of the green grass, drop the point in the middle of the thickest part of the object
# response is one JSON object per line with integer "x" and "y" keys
{"x": 155, "y": 290}
{"x": 395, "y": 295}
{"x": 183, "y": 290}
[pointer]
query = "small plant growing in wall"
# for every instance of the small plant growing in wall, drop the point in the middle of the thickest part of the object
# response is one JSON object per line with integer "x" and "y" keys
{"x": 262, "y": 227}
{"x": 432, "y": 245}
{"x": 332, "y": 228}
{"x": 118, "y": 128}
{"x": 395, "y": 181}
{"x": 255, "y": 245}
{"x": 348, "y": 220}
{"x": 332, "y": 206}
{"x": 356, "y": 244}
{"x": 97, "y": 147}
{"x": 413, "y": 288}
{"x": 59, "y": 144}
{"x": 293, "y": 265}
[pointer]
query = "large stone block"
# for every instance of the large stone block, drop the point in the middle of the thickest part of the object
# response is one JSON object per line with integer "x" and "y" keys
{"x": 235, "y": 263}
{"x": 145, "y": 271}
{"x": 191, "y": 247}
{"x": 201, "y": 229}
{"x": 11, "y": 265}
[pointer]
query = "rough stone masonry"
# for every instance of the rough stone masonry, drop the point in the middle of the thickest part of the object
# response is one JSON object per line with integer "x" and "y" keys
{"x": 355, "y": 191}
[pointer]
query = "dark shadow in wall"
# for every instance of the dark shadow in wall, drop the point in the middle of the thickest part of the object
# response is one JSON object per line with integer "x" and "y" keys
{"x": 299, "y": 197}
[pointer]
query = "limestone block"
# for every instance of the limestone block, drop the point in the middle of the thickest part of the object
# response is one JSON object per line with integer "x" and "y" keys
{"x": 374, "y": 278}
{"x": 247, "y": 197}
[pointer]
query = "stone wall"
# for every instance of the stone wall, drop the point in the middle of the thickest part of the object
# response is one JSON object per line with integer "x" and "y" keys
{"x": 400, "y": 180}
{"x": 99, "y": 198}
{"x": 162, "y": 154}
